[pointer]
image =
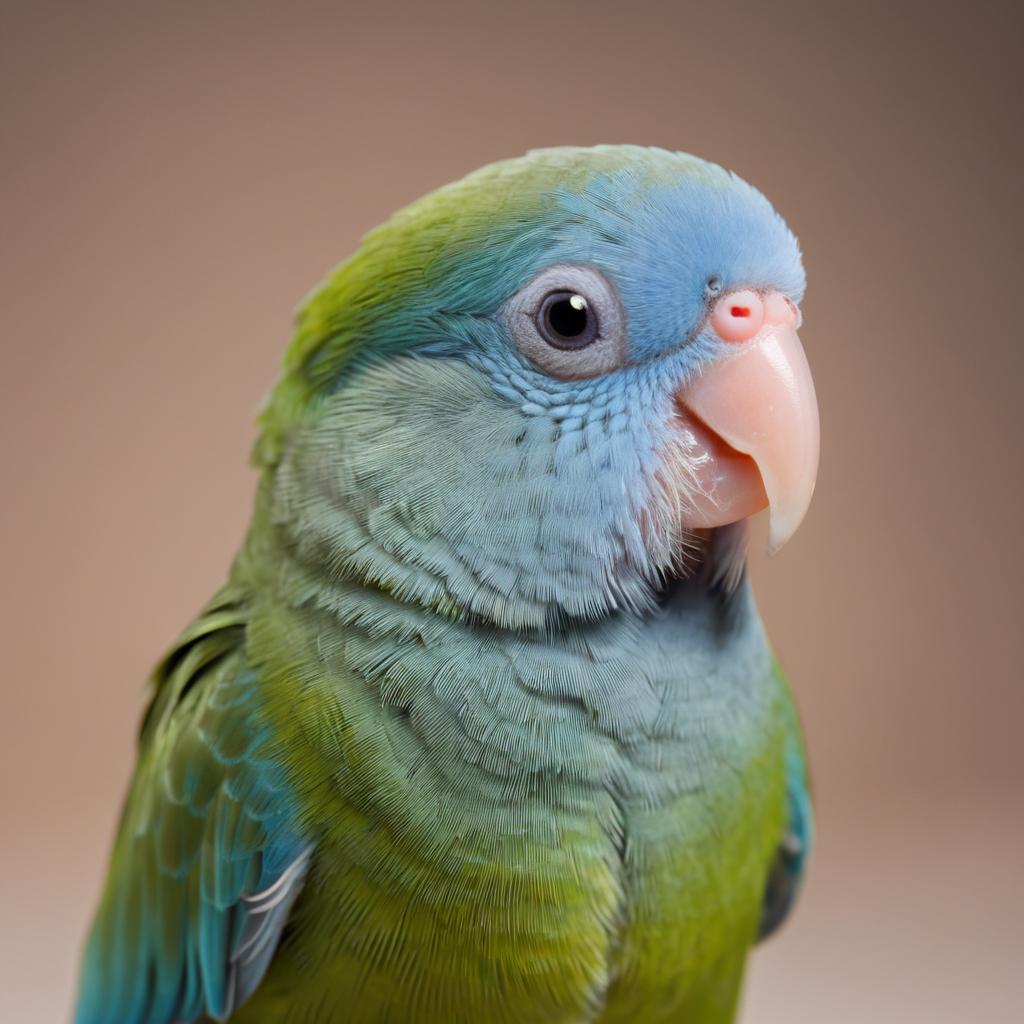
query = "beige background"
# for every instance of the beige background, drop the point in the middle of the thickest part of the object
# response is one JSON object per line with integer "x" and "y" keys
{"x": 175, "y": 177}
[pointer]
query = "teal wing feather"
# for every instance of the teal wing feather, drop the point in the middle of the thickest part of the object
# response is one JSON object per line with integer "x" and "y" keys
{"x": 787, "y": 871}
{"x": 208, "y": 860}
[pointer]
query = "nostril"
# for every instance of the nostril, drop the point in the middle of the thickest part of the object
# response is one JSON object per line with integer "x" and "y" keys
{"x": 738, "y": 317}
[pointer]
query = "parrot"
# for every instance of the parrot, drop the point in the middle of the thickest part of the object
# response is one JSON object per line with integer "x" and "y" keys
{"x": 484, "y": 724}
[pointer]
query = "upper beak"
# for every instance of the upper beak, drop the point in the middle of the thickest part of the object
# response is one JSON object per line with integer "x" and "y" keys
{"x": 751, "y": 419}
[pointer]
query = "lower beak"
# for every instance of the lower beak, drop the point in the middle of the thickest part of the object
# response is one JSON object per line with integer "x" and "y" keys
{"x": 751, "y": 421}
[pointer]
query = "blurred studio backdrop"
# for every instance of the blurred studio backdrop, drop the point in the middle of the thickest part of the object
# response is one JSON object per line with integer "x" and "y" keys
{"x": 176, "y": 177}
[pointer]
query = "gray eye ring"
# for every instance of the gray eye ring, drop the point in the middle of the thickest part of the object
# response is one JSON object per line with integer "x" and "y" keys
{"x": 598, "y": 346}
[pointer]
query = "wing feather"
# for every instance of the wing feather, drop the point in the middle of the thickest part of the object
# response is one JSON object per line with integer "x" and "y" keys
{"x": 786, "y": 874}
{"x": 208, "y": 861}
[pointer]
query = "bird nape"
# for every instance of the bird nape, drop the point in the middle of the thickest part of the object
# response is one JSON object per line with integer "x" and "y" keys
{"x": 484, "y": 724}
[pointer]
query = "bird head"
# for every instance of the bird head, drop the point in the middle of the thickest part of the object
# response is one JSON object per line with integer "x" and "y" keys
{"x": 533, "y": 393}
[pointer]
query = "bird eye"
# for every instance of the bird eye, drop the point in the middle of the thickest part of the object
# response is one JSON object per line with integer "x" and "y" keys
{"x": 569, "y": 322}
{"x": 566, "y": 320}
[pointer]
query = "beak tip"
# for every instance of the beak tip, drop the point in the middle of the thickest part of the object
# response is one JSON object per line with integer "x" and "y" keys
{"x": 784, "y": 522}
{"x": 777, "y": 538}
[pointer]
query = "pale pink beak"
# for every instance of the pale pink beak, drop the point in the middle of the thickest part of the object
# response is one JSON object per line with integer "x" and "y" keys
{"x": 751, "y": 419}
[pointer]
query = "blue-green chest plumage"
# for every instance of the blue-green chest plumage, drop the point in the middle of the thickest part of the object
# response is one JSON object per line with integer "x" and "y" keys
{"x": 585, "y": 826}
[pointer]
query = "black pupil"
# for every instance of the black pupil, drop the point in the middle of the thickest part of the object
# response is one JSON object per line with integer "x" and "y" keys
{"x": 568, "y": 316}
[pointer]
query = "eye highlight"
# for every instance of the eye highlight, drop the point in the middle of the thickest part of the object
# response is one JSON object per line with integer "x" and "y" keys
{"x": 566, "y": 320}
{"x": 569, "y": 322}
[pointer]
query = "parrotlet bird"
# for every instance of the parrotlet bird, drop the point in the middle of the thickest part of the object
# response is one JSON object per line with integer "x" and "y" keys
{"x": 484, "y": 725}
